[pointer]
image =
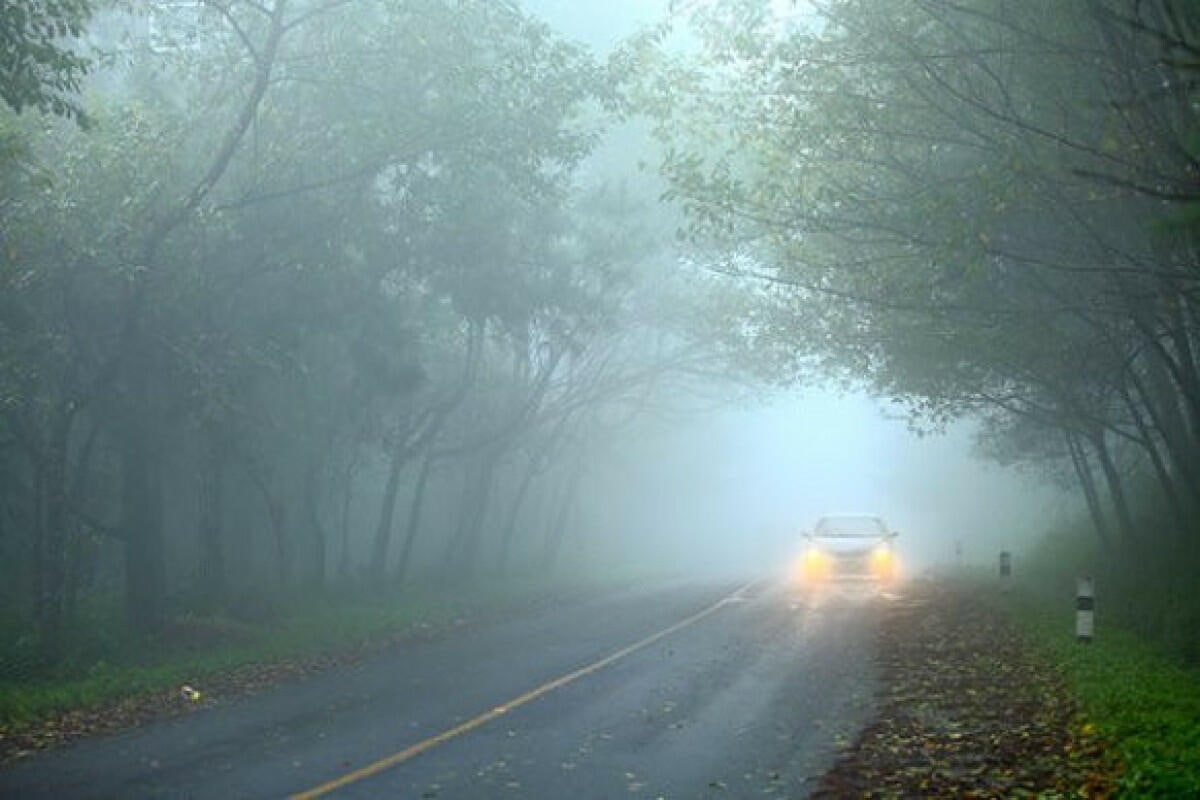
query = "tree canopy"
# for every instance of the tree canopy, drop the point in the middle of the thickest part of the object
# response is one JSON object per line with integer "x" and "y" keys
{"x": 975, "y": 208}
{"x": 39, "y": 67}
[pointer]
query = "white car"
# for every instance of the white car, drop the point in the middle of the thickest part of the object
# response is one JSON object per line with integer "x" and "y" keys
{"x": 848, "y": 547}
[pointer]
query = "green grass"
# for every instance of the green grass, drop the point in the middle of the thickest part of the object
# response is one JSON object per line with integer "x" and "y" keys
{"x": 106, "y": 664}
{"x": 1143, "y": 701}
{"x": 126, "y": 666}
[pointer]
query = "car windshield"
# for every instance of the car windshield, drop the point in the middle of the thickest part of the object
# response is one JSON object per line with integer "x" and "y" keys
{"x": 850, "y": 525}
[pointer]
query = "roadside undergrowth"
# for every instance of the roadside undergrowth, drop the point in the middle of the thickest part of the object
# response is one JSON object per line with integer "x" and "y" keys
{"x": 1136, "y": 695}
{"x": 969, "y": 709}
{"x": 201, "y": 661}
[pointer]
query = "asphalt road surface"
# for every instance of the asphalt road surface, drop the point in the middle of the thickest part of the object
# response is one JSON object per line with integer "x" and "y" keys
{"x": 689, "y": 690}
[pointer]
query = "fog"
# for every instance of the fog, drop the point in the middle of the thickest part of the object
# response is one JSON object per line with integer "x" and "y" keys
{"x": 596, "y": 398}
{"x": 602, "y": 26}
{"x": 735, "y": 489}
{"x": 319, "y": 296}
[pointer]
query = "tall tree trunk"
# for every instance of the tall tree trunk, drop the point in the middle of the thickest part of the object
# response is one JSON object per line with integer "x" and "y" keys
{"x": 82, "y": 553}
{"x": 1164, "y": 363}
{"x": 558, "y": 531}
{"x": 210, "y": 523}
{"x": 1165, "y": 481}
{"x": 317, "y": 532}
{"x": 383, "y": 531}
{"x": 413, "y": 526}
{"x": 475, "y": 335}
{"x": 432, "y": 427}
{"x": 463, "y": 545}
{"x": 1162, "y": 406}
{"x": 1186, "y": 357}
{"x": 536, "y": 463}
{"x": 37, "y": 518}
{"x": 52, "y": 554}
{"x": 141, "y": 513}
{"x": 344, "y": 520}
{"x": 1087, "y": 481}
{"x": 283, "y": 546}
{"x": 1116, "y": 488}
{"x": 277, "y": 514}
{"x": 514, "y": 511}
{"x": 472, "y": 539}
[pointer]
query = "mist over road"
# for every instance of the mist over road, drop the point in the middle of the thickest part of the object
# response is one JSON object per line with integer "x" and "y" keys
{"x": 746, "y": 692}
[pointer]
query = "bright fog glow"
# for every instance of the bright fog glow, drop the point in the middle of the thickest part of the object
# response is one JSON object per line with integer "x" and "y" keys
{"x": 739, "y": 488}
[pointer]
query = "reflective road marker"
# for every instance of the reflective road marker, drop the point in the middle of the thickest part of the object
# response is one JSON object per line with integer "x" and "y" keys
{"x": 1085, "y": 608}
{"x": 479, "y": 721}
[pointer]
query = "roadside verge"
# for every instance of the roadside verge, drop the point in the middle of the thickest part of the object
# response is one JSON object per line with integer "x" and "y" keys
{"x": 968, "y": 707}
{"x": 200, "y": 662}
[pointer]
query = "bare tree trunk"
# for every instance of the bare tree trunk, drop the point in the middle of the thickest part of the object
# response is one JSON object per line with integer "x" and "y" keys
{"x": 277, "y": 514}
{"x": 558, "y": 531}
{"x": 81, "y": 561}
{"x": 142, "y": 510}
{"x": 1186, "y": 357}
{"x": 1165, "y": 366}
{"x": 401, "y": 455}
{"x": 430, "y": 428}
{"x": 514, "y": 512}
{"x": 213, "y": 581}
{"x": 1087, "y": 482}
{"x": 537, "y": 463}
{"x": 55, "y": 552}
{"x": 469, "y": 547}
{"x": 317, "y": 532}
{"x": 347, "y": 497}
{"x": 37, "y": 516}
{"x": 1161, "y": 405}
{"x": 413, "y": 526}
{"x": 283, "y": 546}
{"x": 1165, "y": 481}
{"x": 1116, "y": 488}
{"x": 463, "y": 545}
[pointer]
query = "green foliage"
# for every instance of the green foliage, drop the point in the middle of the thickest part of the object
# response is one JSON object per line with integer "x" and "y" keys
{"x": 1166, "y": 615}
{"x": 1141, "y": 700}
{"x": 1139, "y": 680}
{"x": 38, "y": 67}
{"x": 920, "y": 182}
{"x": 262, "y": 266}
{"x": 112, "y": 663}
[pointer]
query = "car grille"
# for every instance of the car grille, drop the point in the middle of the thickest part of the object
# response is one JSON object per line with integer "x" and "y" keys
{"x": 852, "y": 565}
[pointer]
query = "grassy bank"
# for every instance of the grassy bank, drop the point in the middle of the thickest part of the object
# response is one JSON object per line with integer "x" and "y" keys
{"x": 192, "y": 648}
{"x": 1139, "y": 696}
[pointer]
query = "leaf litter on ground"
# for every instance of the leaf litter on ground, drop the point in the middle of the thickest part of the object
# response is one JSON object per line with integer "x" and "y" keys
{"x": 968, "y": 709}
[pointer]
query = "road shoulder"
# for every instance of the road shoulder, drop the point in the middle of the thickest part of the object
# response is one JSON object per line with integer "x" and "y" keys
{"x": 967, "y": 708}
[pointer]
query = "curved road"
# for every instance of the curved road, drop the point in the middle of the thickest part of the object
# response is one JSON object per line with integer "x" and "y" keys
{"x": 687, "y": 690}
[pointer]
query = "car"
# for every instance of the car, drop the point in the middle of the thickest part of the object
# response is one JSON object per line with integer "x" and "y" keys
{"x": 848, "y": 548}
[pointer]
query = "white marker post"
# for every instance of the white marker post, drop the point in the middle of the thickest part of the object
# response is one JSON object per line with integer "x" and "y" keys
{"x": 1085, "y": 608}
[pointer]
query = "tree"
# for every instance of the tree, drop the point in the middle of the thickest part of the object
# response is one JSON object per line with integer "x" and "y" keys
{"x": 965, "y": 207}
{"x": 39, "y": 68}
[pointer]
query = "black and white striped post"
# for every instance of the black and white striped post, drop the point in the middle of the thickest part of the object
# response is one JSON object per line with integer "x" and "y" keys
{"x": 1085, "y": 608}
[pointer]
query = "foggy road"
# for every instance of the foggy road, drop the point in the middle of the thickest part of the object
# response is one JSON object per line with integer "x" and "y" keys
{"x": 714, "y": 690}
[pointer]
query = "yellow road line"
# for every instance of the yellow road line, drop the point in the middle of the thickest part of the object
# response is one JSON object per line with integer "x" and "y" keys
{"x": 500, "y": 710}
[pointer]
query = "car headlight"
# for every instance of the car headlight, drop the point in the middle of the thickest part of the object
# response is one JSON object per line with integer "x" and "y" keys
{"x": 815, "y": 564}
{"x": 883, "y": 561}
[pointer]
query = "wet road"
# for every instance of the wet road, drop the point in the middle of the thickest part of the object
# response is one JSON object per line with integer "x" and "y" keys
{"x": 678, "y": 691}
